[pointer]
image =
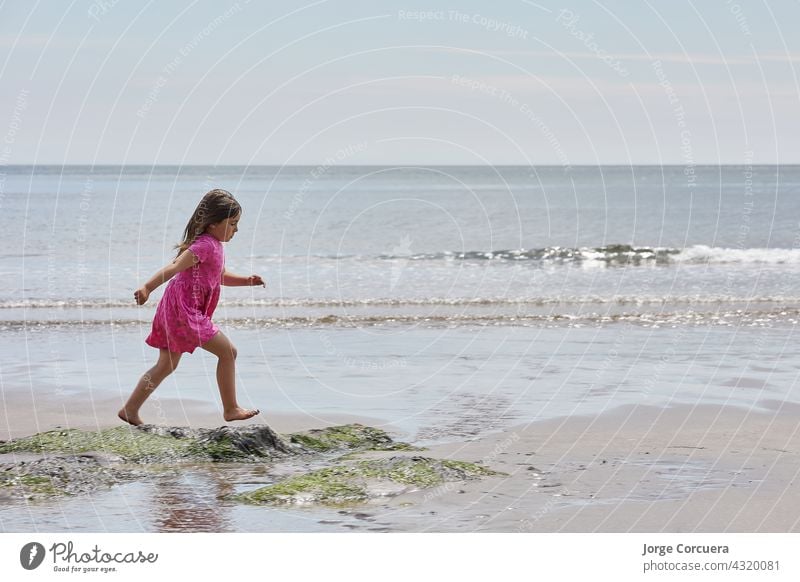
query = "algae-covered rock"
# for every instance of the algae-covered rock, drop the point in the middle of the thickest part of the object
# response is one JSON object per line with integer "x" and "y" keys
{"x": 60, "y": 475}
{"x": 149, "y": 443}
{"x": 130, "y": 443}
{"x": 76, "y": 461}
{"x": 227, "y": 444}
{"x": 247, "y": 443}
{"x": 24, "y": 486}
{"x": 363, "y": 480}
{"x": 347, "y": 437}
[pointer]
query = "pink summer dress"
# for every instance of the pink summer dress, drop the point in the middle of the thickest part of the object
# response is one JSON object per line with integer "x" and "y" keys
{"x": 183, "y": 318}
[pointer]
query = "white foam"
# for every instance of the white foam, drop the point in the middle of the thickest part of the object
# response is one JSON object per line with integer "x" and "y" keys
{"x": 706, "y": 254}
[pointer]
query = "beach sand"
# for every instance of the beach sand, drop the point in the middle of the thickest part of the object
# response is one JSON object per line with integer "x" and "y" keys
{"x": 634, "y": 469}
{"x": 707, "y": 468}
{"x": 26, "y": 413}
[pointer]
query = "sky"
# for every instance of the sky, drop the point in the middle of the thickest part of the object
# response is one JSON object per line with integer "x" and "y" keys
{"x": 380, "y": 82}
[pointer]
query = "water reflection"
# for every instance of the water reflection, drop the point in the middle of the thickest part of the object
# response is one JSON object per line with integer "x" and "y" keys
{"x": 182, "y": 498}
{"x": 193, "y": 499}
{"x": 188, "y": 502}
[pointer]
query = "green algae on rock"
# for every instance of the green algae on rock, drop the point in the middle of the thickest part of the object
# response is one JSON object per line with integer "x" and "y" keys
{"x": 347, "y": 436}
{"x": 364, "y": 480}
{"x": 130, "y": 443}
{"x": 75, "y": 461}
{"x": 240, "y": 444}
{"x": 26, "y": 486}
{"x": 61, "y": 475}
{"x": 148, "y": 443}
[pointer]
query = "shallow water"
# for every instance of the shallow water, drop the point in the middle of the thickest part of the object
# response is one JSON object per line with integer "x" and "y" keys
{"x": 444, "y": 384}
{"x": 445, "y": 303}
{"x": 436, "y": 383}
{"x": 188, "y": 499}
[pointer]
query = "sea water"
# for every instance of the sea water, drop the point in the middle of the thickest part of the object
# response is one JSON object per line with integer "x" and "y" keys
{"x": 446, "y": 301}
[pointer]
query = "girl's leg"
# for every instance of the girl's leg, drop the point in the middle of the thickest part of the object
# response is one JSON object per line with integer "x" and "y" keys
{"x": 221, "y": 346}
{"x": 167, "y": 362}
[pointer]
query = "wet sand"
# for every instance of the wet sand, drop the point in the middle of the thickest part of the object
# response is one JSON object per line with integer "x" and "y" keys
{"x": 634, "y": 469}
{"x": 26, "y": 413}
{"x": 706, "y": 468}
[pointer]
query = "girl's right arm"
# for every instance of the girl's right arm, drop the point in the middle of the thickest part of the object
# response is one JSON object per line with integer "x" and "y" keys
{"x": 185, "y": 260}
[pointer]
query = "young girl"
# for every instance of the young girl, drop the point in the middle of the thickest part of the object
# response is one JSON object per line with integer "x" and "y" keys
{"x": 183, "y": 318}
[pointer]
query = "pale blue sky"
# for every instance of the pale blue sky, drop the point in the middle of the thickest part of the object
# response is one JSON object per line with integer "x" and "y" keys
{"x": 515, "y": 82}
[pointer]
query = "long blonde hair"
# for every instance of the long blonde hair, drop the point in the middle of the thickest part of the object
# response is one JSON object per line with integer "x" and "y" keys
{"x": 216, "y": 206}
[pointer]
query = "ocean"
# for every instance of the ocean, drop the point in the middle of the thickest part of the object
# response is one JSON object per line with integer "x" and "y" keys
{"x": 441, "y": 303}
{"x": 444, "y": 301}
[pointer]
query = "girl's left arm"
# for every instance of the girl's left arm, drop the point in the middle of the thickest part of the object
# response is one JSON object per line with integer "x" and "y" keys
{"x": 231, "y": 280}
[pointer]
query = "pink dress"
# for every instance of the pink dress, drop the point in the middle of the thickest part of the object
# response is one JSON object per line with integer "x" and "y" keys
{"x": 183, "y": 318}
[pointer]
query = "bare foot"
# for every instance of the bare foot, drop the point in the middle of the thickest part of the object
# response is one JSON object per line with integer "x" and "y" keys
{"x": 129, "y": 418}
{"x": 239, "y": 414}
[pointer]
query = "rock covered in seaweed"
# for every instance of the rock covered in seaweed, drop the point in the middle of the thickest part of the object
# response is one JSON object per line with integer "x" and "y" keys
{"x": 70, "y": 461}
{"x": 247, "y": 443}
{"x": 78, "y": 462}
{"x": 152, "y": 444}
{"x": 128, "y": 443}
{"x": 346, "y": 437}
{"x": 360, "y": 481}
{"x": 70, "y": 475}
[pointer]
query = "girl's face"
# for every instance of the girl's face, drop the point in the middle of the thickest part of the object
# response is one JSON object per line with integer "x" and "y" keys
{"x": 224, "y": 231}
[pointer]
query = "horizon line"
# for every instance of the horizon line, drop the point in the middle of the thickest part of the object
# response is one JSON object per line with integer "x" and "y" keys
{"x": 405, "y": 165}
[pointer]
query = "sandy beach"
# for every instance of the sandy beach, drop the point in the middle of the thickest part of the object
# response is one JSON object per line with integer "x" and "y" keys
{"x": 706, "y": 468}
{"x": 27, "y": 413}
{"x": 633, "y": 469}
{"x": 619, "y": 353}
